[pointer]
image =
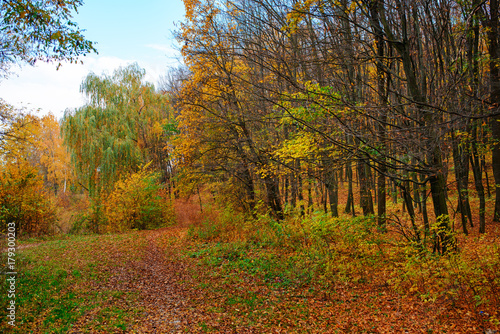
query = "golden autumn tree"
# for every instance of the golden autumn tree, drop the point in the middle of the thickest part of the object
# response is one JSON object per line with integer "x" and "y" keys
{"x": 53, "y": 158}
{"x": 24, "y": 200}
{"x": 138, "y": 201}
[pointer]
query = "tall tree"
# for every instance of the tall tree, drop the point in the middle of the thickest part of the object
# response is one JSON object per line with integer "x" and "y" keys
{"x": 115, "y": 132}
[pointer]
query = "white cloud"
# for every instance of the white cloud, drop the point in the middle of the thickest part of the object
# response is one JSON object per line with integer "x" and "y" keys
{"x": 162, "y": 47}
{"x": 54, "y": 90}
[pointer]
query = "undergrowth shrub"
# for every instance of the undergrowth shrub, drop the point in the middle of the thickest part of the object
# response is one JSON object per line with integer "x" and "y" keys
{"x": 470, "y": 276}
{"x": 349, "y": 248}
{"x": 71, "y": 206}
{"x": 327, "y": 250}
{"x": 225, "y": 225}
{"x": 319, "y": 246}
{"x": 138, "y": 202}
{"x": 82, "y": 224}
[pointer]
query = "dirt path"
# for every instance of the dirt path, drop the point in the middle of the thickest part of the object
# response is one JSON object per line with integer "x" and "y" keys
{"x": 160, "y": 277}
{"x": 164, "y": 300}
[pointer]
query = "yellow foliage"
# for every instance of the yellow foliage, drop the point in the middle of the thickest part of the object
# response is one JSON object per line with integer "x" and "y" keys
{"x": 138, "y": 202}
{"x": 24, "y": 201}
{"x": 54, "y": 157}
{"x": 26, "y": 162}
{"x": 298, "y": 147}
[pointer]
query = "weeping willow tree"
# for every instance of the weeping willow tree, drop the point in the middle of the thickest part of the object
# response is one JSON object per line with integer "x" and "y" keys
{"x": 119, "y": 129}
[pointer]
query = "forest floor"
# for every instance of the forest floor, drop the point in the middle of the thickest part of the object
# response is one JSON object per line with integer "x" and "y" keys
{"x": 168, "y": 281}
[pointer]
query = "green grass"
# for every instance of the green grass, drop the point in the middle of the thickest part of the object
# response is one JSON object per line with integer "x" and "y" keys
{"x": 61, "y": 280}
{"x": 294, "y": 254}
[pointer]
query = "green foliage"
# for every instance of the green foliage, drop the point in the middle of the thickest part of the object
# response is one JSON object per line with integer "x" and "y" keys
{"x": 322, "y": 251}
{"x": 40, "y": 30}
{"x": 55, "y": 287}
{"x": 82, "y": 224}
{"x": 117, "y": 130}
{"x": 228, "y": 224}
{"x": 294, "y": 252}
{"x": 171, "y": 129}
{"x": 317, "y": 103}
{"x": 470, "y": 275}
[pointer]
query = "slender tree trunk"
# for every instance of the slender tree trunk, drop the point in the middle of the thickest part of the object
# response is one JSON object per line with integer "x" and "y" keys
{"x": 300, "y": 190}
{"x": 365, "y": 195}
{"x": 478, "y": 182}
{"x": 416, "y": 192}
{"x": 411, "y": 211}
{"x": 333, "y": 192}
{"x": 285, "y": 189}
{"x": 310, "y": 203}
{"x": 324, "y": 197}
{"x": 349, "y": 208}
{"x": 461, "y": 160}
{"x": 273, "y": 198}
{"x": 486, "y": 177}
{"x": 382, "y": 199}
{"x": 438, "y": 193}
{"x": 425, "y": 214}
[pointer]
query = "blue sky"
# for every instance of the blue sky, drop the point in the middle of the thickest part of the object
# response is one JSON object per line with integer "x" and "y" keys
{"x": 126, "y": 31}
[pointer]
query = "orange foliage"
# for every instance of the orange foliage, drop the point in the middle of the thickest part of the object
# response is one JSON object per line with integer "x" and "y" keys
{"x": 25, "y": 202}
{"x": 30, "y": 156}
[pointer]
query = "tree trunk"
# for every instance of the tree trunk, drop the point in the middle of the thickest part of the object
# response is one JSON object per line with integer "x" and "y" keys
{"x": 478, "y": 181}
{"x": 461, "y": 160}
{"x": 273, "y": 198}
{"x": 333, "y": 192}
{"x": 366, "y": 201}
{"x": 349, "y": 208}
{"x": 438, "y": 193}
{"x": 405, "y": 190}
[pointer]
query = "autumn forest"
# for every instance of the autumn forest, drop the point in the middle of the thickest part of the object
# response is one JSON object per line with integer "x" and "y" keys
{"x": 312, "y": 166}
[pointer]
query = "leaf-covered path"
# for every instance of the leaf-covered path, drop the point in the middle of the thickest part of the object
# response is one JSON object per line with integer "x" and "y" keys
{"x": 156, "y": 278}
{"x": 159, "y": 277}
{"x": 173, "y": 302}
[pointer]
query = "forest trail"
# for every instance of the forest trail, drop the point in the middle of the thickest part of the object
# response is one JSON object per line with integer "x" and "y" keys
{"x": 158, "y": 276}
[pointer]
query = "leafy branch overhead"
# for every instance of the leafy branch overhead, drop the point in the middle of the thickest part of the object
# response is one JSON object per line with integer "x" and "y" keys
{"x": 32, "y": 31}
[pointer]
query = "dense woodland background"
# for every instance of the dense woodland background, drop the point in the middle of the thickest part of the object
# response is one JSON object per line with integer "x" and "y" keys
{"x": 399, "y": 97}
{"x": 373, "y": 122}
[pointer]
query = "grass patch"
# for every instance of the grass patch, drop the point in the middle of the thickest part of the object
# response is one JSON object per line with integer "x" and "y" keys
{"x": 61, "y": 281}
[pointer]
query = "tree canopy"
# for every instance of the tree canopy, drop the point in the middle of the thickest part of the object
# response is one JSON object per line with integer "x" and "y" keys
{"x": 32, "y": 31}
